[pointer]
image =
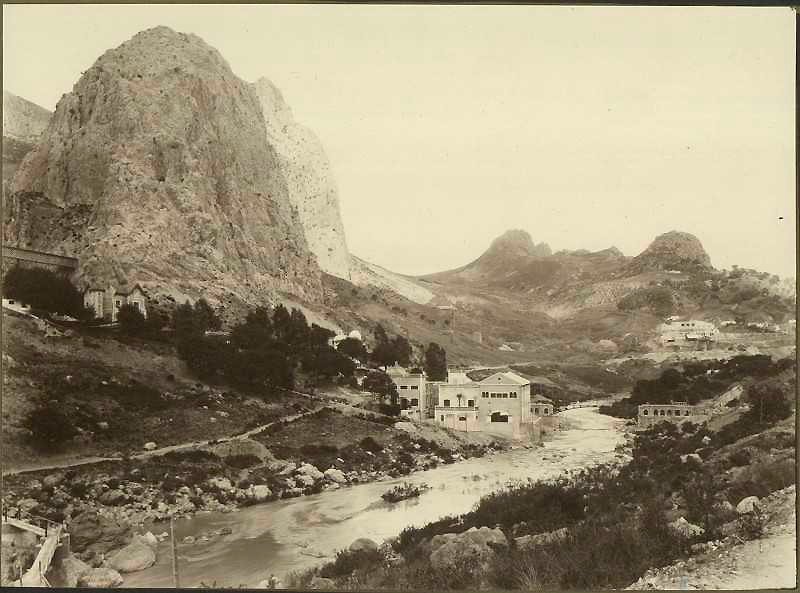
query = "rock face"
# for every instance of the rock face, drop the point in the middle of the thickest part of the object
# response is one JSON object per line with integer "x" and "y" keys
{"x": 23, "y": 120}
{"x": 90, "y": 533}
{"x": 156, "y": 169}
{"x": 309, "y": 179}
{"x": 474, "y": 546}
{"x": 672, "y": 251}
{"x": 518, "y": 243}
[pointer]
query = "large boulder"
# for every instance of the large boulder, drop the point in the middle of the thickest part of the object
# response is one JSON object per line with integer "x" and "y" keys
{"x": 69, "y": 571}
{"x": 474, "y": 546}
{"x": 309, "y": 470}
{"x": 88, "y": 532}
{"x": 260, "y": 493}
{"x": 113, "y": 497}
{"x": 100, "y": 578}
{"x": 137, "y": 555}
{"x": 335, "y": 475}
{"x": 53, "y": 480}
{"x": 748, "y": 505}
{"x": 304, "y": 480}
{"x": 363, "y": 543}
{"x": 149, "y": 446}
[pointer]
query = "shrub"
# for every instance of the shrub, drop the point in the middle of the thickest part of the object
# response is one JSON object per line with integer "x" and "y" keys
{"x": 348, "y": 561}
{"x": 50, "y": 428}
{"x": 371, "y": 445}
{"x": 45, "y": 290}
{"x": 131, "y": 320}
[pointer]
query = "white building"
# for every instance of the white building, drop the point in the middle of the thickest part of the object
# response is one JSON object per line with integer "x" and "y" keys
{"x": 411, "y": 391}
{"x": 106, "y": 302}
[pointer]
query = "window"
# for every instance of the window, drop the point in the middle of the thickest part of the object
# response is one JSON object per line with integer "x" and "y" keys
{"x": 470, "y": 403}
{"x": 135, "y": 305}
{"x": 661, "y": 412}
{"x": 462, "y": 418}
{"x": 514, "y": 394}
{"x": 414, "y": 401}
{"x": 677, "y": 412}
{"x": 441, "y": 418}
{"x": 546, "y": 411}
{"x": 11, "y": 302}
{"x": 447, "y": 403}
{"x": 504, "y": 396}
{"x": 498, "y": 417}
{"x": 669, "y": 412}
{"x": 535, "y": 410}
{"x": 644, "y": 413}
{"x": 494, "y": 395}
{"x": 404, "y": 387}
{"x": 413, "y": 387}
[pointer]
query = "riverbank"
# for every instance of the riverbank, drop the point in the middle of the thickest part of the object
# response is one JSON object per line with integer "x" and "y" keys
{"x": 309, "y": 453}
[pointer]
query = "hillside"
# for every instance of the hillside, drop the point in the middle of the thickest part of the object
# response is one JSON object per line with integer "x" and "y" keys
{"x": 23, "y": 122}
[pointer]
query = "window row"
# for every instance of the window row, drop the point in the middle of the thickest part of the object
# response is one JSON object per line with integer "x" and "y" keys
{"x": 666, "y": 413}
{"x": 488, "y": 395}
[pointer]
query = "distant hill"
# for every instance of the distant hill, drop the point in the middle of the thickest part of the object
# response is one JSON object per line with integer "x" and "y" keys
{"x": 23, "y": 123}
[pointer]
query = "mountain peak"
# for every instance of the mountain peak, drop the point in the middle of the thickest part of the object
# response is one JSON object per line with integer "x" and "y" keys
{"x": 518, "y": 242}
{"x": 674, "y": 250}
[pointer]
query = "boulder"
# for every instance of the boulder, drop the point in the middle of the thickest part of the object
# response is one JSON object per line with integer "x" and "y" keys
{"x": 260, "y": 493}
{"x": 288, "y": 469}
{"x": 528, "y": 541}
{"x": 748, "y": 505}
{"x": 89, "y": 532}
{"x": 335, "y": 475}
{"x": 189, "y": 539}
{"x": 322, "y": 583}
{"x": 706, "y": 440}
{"x": 53, "y": 480}
{"x": 309, "y": 470}
{"x": 100, "y": 578}
{"x": 137, "y": 555}
{"x": 149, "y": 446}
{"x": 113, "y": 497}
{"x": 363, "y": 543}
{"x": 304, "y": 480}
{"x": 221, "y": 483}
{"x": 70, "y": 570}
{"x": 686, "y": 529}
{"x": 150, "y": 539}
{"x": 474, "y": 546}
{"x": 102, "y": 425}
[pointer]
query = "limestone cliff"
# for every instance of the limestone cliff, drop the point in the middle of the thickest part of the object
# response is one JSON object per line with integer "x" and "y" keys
{"x": 22, "y": 119}
{"x": 156, "y": 169}
{"x": 310, "y": 181}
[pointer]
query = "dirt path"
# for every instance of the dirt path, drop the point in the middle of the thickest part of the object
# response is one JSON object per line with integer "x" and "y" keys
{"x": 766, "y": 563}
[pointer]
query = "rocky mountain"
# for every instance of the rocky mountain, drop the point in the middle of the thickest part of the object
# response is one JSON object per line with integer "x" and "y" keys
{"x": 158, "y": 168}
{"x": 672, "y": 251}
{"x": 309, "y": 179}
{"x": 23, "y": 120}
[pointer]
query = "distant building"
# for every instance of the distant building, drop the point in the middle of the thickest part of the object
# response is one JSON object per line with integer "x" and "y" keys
{"x": 650, "y": 414}
{"x": 411, "y": 391}
{"x": 339, "y": 338}
{"x": 687, "y": 332}
{"x": 106, "y": 302}
{"x": 15, "y": 305}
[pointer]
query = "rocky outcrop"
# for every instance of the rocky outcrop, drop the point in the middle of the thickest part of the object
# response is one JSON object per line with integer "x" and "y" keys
{"x": 474, "y": 547}
{"x": 89, "y": 534}
{"x": 100, "y": 578}
{"x": 672, "y": 251}
{"x": 156, "y": 169}
{"x": 309, "y": 180}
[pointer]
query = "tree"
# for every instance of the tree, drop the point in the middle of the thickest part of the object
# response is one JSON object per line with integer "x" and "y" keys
{"x": 435, "y": 362}
{"x": 255, "y": 332}
{"x": 280, "y": 322}
{"x": 402, "y": 350}
{"x": 384, "y": 354}
{"x": 205, "y": 316}
{"x": 380, "y": 384}
{"x": 353, "y": 348}
{"x": 45, "y": 290}
{"x": 768, "y": 403}
{"x": 131, "y": 320}
{"x": 319, "y": 337}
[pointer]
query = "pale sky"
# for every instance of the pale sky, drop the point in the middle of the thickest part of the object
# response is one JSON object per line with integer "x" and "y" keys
{"x": 447, "y": 125}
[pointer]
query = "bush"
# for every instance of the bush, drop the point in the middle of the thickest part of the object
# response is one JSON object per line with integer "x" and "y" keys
{"x": 131, "y": 320}
{"x": 46, "y": 290}
{"x": 242, "y": 461}
{"x": 348, "y": 561}
{"x": 50, "y": 428}
{"x": 371, "y": 445}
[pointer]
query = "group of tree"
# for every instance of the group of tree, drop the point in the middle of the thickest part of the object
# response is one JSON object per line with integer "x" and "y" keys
{"x": 389, "y": 351}
{"x": 46, "y": 291}
{"x": 268, "y": 349}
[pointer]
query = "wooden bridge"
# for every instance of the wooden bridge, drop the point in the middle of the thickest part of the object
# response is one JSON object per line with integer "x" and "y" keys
{"x": 51, "y": 535}
{"x": 54, "y": 261}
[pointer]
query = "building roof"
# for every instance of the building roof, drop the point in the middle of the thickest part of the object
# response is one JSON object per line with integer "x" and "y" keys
{"x": 538, "y": 380}
{"x": 396, "y": 371}
{"x": 456, "y": 385}
{"x": 505, "y": 378}
{"x": 130, "y": 290}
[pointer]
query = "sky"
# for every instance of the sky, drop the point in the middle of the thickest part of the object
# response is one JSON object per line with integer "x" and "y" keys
{"x": 448, "y": 125}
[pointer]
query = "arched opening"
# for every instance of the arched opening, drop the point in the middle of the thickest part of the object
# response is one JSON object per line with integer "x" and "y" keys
{"x": 499, "y": 417}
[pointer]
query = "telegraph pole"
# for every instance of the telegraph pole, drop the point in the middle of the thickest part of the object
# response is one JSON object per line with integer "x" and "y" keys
{"x": 175, "y": 578}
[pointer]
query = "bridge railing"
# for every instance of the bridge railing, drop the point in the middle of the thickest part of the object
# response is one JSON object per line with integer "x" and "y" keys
{"x": 35, "y": 520}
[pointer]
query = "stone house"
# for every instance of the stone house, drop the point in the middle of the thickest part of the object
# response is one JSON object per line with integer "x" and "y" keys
{"x": 678, "y": 413}
{"x": 106, "y": 302}
{"x": 411, "y": 391}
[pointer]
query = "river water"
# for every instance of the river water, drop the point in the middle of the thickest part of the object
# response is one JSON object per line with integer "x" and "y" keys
{"x": 299, "y": 533}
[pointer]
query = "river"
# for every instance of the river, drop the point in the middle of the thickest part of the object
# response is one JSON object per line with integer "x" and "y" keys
{"x": 299, "y": 533}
